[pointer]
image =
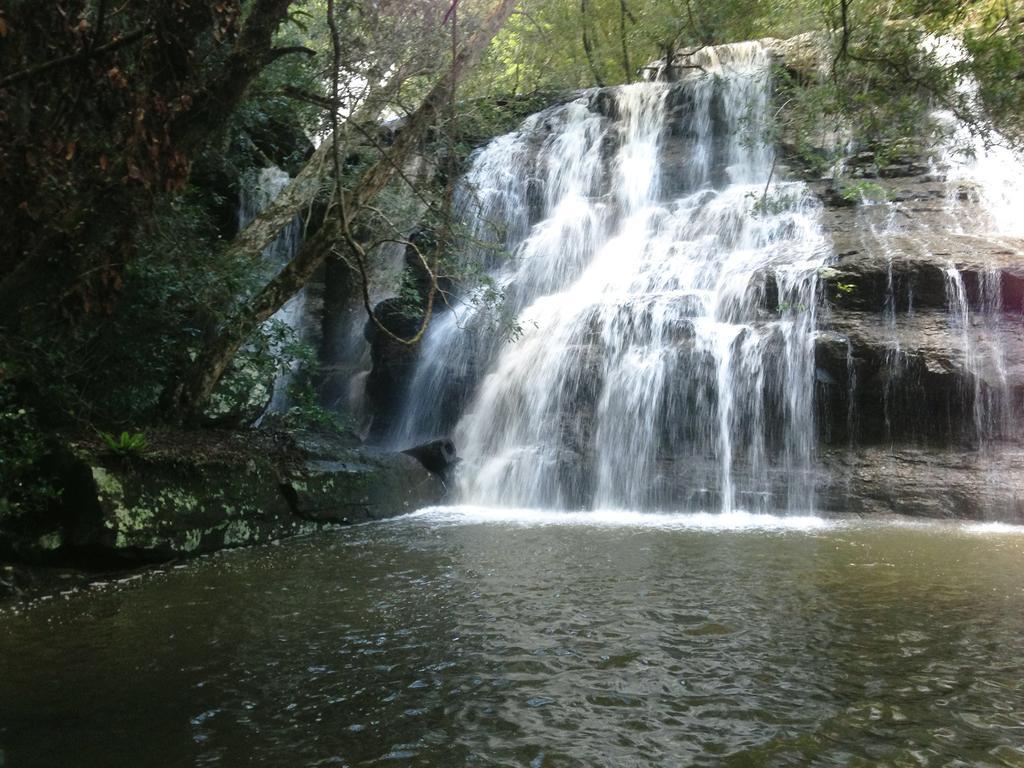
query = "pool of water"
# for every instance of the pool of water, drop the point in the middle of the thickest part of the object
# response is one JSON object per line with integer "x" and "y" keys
{"x": 467, "y": 636}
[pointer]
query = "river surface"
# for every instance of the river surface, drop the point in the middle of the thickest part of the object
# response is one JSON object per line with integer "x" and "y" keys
{"x": 501, "y": 638}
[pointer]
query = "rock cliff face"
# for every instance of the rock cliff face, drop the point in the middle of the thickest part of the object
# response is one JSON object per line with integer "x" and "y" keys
{"x": 918, "y": 335}
{"x": 920, "y": 347}
{"x": 921, "y": 350}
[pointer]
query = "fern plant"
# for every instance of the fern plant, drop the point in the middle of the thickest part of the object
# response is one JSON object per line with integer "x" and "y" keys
{"x": 127, "y": 445}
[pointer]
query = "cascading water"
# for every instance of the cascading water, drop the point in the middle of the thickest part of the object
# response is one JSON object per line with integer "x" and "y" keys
{"x": 977, "y": 166}
{"x": 981, "y": 180}
{"x": 983, "y": 354}
{"x": 896, "y": 360}
{"x": 254, "y": 197}
{"x": 650, "y": 371}
{"x": 493, "y": 202}
{"x": 986, "y": 182}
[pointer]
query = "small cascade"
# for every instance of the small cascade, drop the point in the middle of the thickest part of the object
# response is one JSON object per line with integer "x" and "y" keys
{"x": 266, "y": 186}
{"x": 879, "y": 228}
{"x": 664, "y": 285}
{"x": 980, "y": 181}
{"x": 986, "y": 183}
{"x": 492, "y": 203}
{"x": 896, "y": 362}
{"x": 980, "y": 169}
{"x": 851, "y": 396}
{"x": 984, "y": 358}
{"x": 960, "y": 319}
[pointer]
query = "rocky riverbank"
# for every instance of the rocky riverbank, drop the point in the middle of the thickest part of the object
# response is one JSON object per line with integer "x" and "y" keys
{"x": 189, "y": 493}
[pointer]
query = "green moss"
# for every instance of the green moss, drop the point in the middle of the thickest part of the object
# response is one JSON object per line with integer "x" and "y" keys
{"x": 133, "y": 519}
{"x": 193, "y": 538}
{"x": 174, "y": 500}
{"x": 238, "y": 532}
{"x": 50, "y": 541}
{"x": 106, "y": 484}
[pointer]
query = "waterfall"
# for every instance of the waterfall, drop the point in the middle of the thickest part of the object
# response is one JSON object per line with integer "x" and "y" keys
{"x": 984, "y": 359}
{"x": 985, "y": 184}
{"x": 960, "y": 318}
{"x": 254, "y": 197}
{"x": 896, "y": 359}
{"x": 980, "y": 167}
{"x": 664, "y": 285}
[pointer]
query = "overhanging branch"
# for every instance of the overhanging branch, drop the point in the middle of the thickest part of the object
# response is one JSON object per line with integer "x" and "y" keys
{"x": 64, "y": 61}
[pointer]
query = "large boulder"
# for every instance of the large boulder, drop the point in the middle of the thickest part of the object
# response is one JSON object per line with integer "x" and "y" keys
{"x": 360, "y": 488}
{"x": 437, "y": 456}
{"x": 155, "y": 510}
{"x": 200, "y": 492}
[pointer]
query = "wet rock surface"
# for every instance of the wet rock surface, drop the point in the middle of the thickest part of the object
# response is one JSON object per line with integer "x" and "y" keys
{"x": 921, "y": 347}
{"x": 393, "y": 363}
{"x": 437, "y": 456}
{"x": 924, "y": 482}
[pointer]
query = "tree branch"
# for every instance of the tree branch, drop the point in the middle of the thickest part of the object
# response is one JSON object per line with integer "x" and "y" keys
{"x": 63, "y": 61}
{"x": 276, "y": 53}
{"x": 626, "y": 66}
{"x": 212, "y": 361}
{"x": 588, "y": 46}
{"x": 344, "y": 221}
{"x": 251, "y": 52}
{"x": 844, "y": 40}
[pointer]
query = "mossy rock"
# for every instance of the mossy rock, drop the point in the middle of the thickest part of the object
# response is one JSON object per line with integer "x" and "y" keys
{"x": 191, "y": 500}
{"x": 153, "y": 510}
{"x": 362, "y": 488}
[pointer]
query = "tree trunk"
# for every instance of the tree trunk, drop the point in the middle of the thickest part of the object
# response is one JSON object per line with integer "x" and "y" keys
{"x": 627, "y": 67}
{"x": 588, "y": 46}
{"x": 294, "y": 200}
{"x": 212, "y": 361}
{"x": 252, "y": 51}
{"x": 62, "y": 264}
